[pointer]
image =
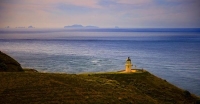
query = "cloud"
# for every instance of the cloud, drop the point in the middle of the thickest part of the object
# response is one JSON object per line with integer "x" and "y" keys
{"x": 103, "y": 13}
{"x": 134, "y": 2}
{"x": 82, "y": 3}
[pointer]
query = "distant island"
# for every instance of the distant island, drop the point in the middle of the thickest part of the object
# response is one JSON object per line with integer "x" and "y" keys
{"x": 31, "y": 27}
{"x": 20, "y": 27}
{"x": 80, "y": 28}
{"x": 77, "y": 26}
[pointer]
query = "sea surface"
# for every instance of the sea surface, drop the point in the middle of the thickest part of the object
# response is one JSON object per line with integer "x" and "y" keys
{"x": 173, "y": 56}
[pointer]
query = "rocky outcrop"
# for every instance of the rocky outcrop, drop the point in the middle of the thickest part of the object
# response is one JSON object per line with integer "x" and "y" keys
{"x": 8, "y": 64}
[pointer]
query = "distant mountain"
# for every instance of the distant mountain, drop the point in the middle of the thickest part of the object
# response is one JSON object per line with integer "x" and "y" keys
{"x": 31, "y": 27}
{"x": 116, "y": 27}
{"x": 91, "y": 27}
{"x": 74, "y": 26}
{"x": 77, "y": 26}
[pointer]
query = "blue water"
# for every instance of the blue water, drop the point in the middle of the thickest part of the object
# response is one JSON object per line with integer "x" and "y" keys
{"x": 171, "y": 56}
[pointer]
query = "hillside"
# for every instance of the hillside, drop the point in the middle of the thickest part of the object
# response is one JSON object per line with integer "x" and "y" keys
{"x": 8, "y": 64}
{"x": 29, "y": 86}
{"x": 138, "y": 88}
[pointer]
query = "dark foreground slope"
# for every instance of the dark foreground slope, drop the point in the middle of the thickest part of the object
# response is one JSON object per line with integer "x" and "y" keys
{"x": 138, "y": 88}
{"x": 8, "y": 64}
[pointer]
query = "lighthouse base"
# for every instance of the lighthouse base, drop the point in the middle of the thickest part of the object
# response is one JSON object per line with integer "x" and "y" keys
{"x": 132, "y": 71}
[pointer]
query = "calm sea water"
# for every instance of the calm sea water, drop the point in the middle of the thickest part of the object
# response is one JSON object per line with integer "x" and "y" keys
{"x": 171, "y": 56}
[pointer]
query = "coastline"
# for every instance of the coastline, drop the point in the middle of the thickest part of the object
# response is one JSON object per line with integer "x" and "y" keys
{"x": 137, "y": 86}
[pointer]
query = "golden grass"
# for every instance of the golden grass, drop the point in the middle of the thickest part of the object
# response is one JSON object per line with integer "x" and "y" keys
{"x": 138, "y": 88}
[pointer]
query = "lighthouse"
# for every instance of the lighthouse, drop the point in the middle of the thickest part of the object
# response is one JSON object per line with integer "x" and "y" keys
{"x": 128, "y": 65}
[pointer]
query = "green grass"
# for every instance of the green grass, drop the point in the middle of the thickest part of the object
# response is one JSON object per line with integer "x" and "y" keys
{"x": 138, "y": 88}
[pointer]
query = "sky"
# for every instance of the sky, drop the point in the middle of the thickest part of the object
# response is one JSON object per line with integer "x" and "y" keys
{"x": 101, "y": 13}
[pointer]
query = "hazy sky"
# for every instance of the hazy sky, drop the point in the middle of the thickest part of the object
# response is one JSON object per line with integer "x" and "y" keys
{"x": 102, "y": 13}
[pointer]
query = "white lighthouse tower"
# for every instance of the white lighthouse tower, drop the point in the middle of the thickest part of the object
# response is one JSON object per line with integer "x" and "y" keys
{"x": 128, "y": 65}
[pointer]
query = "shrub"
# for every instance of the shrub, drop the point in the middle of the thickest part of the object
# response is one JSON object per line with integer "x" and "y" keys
{"x": 198, "y": 101}
{"x": 3, "y": 66}
{"x": 187, "y": 93}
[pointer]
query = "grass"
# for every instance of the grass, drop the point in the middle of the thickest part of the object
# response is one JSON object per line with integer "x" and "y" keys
{"x": 29, "y": 86}
{"x": 138, "y": 88}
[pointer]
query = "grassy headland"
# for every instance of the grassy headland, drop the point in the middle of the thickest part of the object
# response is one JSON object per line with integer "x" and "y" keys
{"x": 138, "y": 88}
{"x": 30, "y": 86}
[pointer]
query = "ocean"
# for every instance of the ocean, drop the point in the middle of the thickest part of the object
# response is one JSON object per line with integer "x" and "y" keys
{"x": 173, "y": 56}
